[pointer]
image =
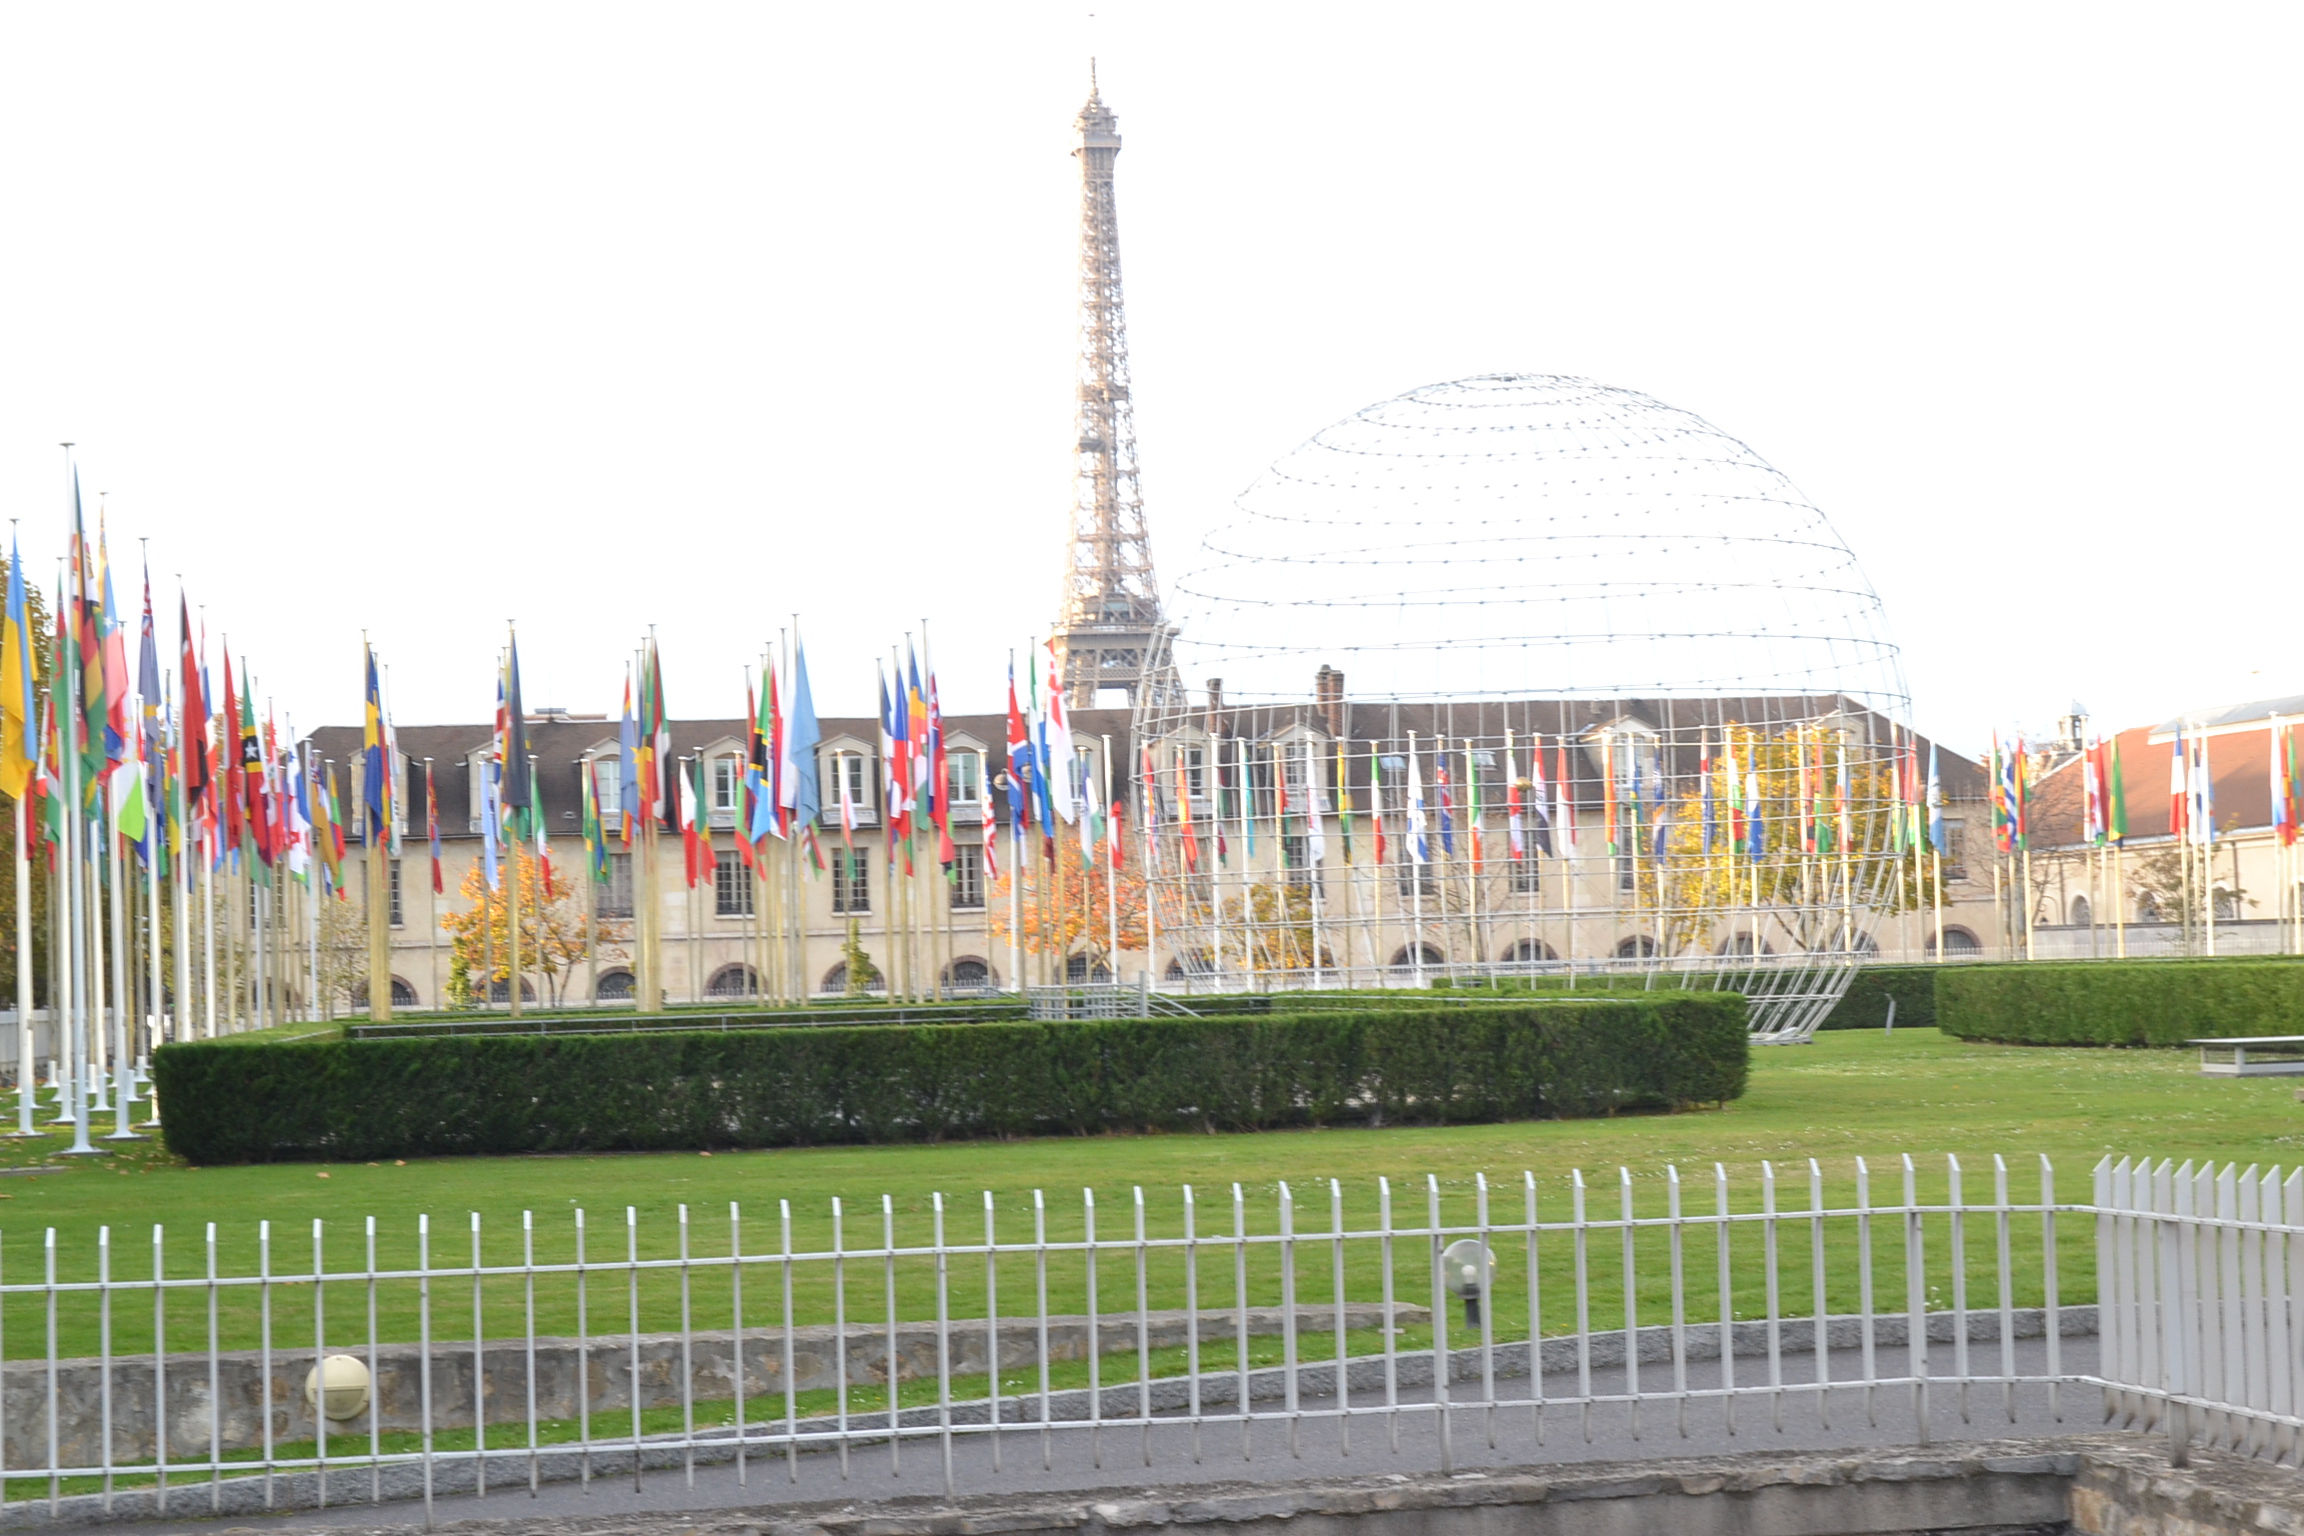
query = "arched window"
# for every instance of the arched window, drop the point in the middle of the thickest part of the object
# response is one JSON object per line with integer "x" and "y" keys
{"x": 836, "y": 980}
{"x": 733, "y": 981}
{"x": 403, "y": 995}
{"x": 1637, "y": 947}
{"x": 614, "y": 987}
{"x": 2082, "y": 913}
{"x": 1186, "y": 966}
{"x": 500, "y": 991}
{"x": 1741, "y": 944}
{"x": 969, "y": 975}
{"x": 1076, "y": 970}
{"x": 1407, "y": 957}
{"x": 1957, "y": 941}
{"x": 1528, "y": 951}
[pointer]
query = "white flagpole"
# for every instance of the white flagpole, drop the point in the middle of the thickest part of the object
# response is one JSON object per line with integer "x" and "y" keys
{"x": 1415, "y": 860}
{"x": 24, "y": 1088}
{"x": 1112, "y": 845}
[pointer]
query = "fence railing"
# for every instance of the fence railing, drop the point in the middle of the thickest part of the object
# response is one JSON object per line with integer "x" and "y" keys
{"x": 324, "y": 1366}
{"x": 2198, "y": 1268}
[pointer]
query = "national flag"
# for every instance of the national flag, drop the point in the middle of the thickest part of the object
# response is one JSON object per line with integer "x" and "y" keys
{"x": 1842, "y": 809}
{"x": 127, "y": 778}
{"x": 375, "y": 779}
{"x": 491, "y": 822}
{"x": 2179, "y": 788}
{"x": 629, "y": 811}
{"x": 19, "y": 705}
{"x": 691, "y": 813}
{"x": 1315, "y": 823}
{"x": 1376, "y": 800}
{"x": 1938, "y": 835}
{"x": 2119, "y": 808}
{"x": 116, "y": 685}
{"x": 984, "y": 817}
{"x": 1513, "y": 829}
{"x": 595, "y": 835}
{"x": 1538, "y": 798}
{"x": 797, "y": 792}
{"x": 1708, "y": 813}
{"x": 1564, "y": 838}
{"x": 512, "y": 741}
{"x": 2203, "y": 808}
{"x": 1608, "y": 831}
{"x": 298, "y": 802}
{"x": 1447, "y": 795}
{"x": 192, "y": 729}
{"x": 895, "y": 751}
{"x": 1755, "y": 823}
{"x": 1419, "y": 850}
{"x": 1056, "y": 742}
{"x": 432, "y": 825}
{"x": 1472, "y": 803}
{"x": 1344, "y": 795}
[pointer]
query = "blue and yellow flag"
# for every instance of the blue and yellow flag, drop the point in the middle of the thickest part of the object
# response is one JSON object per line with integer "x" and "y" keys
{"x": 19, "y": 712}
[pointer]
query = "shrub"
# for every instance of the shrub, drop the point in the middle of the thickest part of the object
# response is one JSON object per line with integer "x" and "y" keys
{"x": 444, "y": 1095}
{"x": 1865, "y": 1004}
{"x": 2120, "y": 1002}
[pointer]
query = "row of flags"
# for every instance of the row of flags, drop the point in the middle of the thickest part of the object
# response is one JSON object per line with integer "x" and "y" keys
{"x": 179, "y": 767}
{"x": 1739, "y": 779}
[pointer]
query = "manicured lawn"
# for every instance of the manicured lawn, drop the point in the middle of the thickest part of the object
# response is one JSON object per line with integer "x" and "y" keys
{"x": 1852, "y": 1094}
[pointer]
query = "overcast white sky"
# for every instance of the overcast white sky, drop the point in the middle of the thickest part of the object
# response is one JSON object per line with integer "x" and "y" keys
{"x": 419, "y": 318}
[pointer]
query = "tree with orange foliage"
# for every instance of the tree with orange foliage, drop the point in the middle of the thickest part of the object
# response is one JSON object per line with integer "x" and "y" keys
{"x": 552, "y": 934}
{"x": 1066, "y": 906}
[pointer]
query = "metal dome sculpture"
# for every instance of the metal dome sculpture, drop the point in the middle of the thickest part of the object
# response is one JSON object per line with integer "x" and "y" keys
{"x": 1534, "y": 678}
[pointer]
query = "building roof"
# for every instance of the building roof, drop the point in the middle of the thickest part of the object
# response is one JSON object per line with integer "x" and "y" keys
{"x": 2239, "y": 771}
{"x": 2233, "y": 714}
{"x": 1682, "y": 726}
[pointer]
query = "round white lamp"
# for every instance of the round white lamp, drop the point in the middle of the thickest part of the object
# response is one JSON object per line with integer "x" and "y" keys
{"x": 1468, "y": 1269}
{"x": 337, "y": 1387}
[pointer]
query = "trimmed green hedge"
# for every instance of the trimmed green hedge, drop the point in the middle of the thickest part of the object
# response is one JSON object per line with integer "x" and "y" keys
{"x": 1865, "y": 1004}
{"x": 458, "y": 1095}
{"x": 2120, "y": 1002}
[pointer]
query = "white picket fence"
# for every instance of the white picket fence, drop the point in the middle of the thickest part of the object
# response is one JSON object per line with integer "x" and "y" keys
{"x": 1657, "y": 1300}
{"x": 2197, "y": 1270}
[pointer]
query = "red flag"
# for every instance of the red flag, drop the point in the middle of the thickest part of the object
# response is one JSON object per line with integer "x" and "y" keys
{"x": 194, "y": 733}
{"x": 235, "y": 790}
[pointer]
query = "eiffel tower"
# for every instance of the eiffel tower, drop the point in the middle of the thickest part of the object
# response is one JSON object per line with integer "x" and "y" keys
{"x": 1109, "y": 631}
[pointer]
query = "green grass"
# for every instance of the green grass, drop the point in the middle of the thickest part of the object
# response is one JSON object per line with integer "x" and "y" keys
{"x": 1851, "y": 1094}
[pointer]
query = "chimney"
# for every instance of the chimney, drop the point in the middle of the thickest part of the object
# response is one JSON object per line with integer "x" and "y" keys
{"x": 1328, "y": 694}
{"x": 1215, "y": 708}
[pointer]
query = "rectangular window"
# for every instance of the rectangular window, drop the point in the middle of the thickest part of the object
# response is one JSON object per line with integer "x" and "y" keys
{"x": 1955, "y": 850}
{"x": 1412, "y": 875}
{"x": 851, "y": 881}
{"x": 614, "y": 894}
{"x": 1295, "y": 859}
{"x": 967, "y": 877}
{"x": 396, "y": 916}
{"x": 855, "y": 770}
{"x": 727, "y": 774}
{"x": 963, "y": 782}
{"x": 1524, "y": 875}
{"x": 731, "y": 884}
{"x": 1627, "y": 872}
{"x": 1196, "y": 772}
{"x": 607, "y": 788}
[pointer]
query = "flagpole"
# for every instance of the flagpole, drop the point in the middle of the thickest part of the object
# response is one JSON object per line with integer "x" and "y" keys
{"x": 24, "y": 1073}
{"x": 153, "y": 833}
{"x": 69, "y": 750}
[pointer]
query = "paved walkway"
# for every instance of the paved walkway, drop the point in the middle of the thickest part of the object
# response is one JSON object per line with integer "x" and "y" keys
{"x": 1169, "y": 1452}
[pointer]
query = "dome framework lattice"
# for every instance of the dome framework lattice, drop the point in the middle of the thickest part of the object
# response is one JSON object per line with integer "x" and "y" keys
{"x": 1541, "y": 600}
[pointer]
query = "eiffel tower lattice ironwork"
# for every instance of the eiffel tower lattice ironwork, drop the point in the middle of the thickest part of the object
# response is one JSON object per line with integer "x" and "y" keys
{"x": 1110, "y": 632}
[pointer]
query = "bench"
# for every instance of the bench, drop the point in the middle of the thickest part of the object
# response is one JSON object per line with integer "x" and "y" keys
{"x": 2253, "y": 1056}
